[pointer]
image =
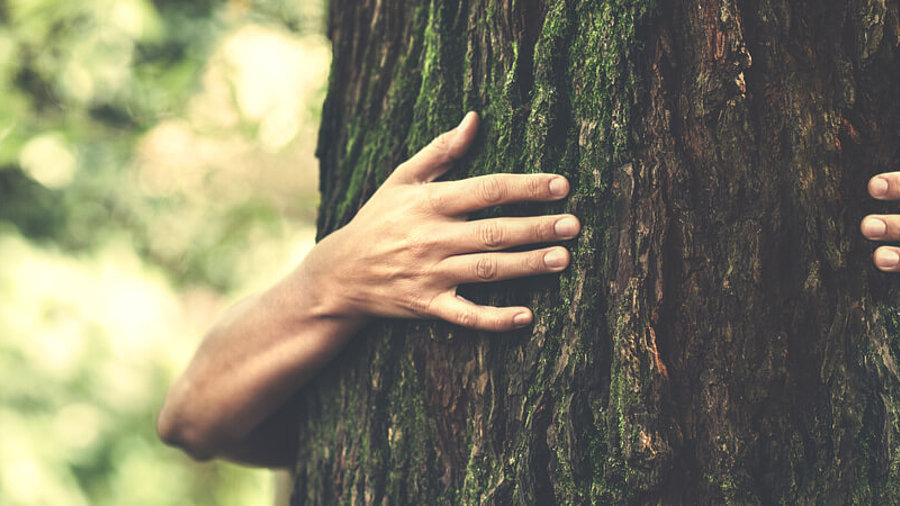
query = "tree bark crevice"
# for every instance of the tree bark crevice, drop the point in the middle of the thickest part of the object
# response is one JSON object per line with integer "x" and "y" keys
{"x": 720, "y": 337}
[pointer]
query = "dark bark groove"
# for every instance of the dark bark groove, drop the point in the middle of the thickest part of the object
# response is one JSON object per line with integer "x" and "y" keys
{"x": 721, "y": 336}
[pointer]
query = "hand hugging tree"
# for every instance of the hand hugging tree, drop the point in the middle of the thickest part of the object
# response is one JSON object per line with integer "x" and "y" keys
{"x": 721, "y": 334}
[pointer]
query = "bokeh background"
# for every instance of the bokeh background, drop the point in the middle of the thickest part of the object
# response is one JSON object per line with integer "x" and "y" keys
{"x": 156, "y": 165}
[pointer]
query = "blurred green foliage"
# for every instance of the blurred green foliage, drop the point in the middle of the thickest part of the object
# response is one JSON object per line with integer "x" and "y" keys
{"x": 82, "y": 81}
{"x": 155, "y": 162}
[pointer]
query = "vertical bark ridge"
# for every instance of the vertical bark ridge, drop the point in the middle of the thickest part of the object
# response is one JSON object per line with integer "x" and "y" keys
{"x": 772, "y": 314}
{"x": 720, "y": 337}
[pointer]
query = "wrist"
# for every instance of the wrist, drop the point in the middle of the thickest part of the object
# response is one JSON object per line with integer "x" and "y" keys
{"x": 318, "y": 287}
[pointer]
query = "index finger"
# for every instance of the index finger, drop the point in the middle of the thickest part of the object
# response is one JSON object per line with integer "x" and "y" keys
{"x": 452, "y": 198}
{"x": 885, "y": 186}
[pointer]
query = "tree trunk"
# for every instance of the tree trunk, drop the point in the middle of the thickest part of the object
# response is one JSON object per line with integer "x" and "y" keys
{"x": 721, "y": 335}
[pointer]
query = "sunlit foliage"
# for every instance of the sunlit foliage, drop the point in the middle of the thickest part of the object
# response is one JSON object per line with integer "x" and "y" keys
{"x": 156, "y": 161}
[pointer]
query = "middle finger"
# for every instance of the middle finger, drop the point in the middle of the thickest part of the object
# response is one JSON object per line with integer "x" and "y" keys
{"x": 486, "y": 267}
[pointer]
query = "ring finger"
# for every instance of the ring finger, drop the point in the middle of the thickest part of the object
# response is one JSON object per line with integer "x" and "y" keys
{"x": 485, "y": 267}
{"x": 500, "y": 233}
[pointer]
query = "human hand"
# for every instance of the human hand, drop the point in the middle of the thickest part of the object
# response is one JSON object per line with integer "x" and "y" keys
{"x": 410, "y": 246}
{"x": 884, "y": 227}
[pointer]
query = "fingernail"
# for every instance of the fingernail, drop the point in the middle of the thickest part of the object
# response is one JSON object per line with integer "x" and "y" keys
{"x": 522, "y": 319}
{"x": 873, "y": 227}
{"x": 559, "y": 187}
{"x": 887, "y": 259}
{"x": 566, "y": 227}
{"x": 556, "y": 258}
{"x": 878, "y": 187}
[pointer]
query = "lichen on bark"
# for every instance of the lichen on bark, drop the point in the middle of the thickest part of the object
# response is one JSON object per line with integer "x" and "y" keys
{"x": 720, "y": 337}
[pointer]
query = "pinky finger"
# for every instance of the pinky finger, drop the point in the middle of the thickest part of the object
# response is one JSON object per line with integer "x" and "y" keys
{"x": 887, "y": 258}
{"x": 465, "y": 313}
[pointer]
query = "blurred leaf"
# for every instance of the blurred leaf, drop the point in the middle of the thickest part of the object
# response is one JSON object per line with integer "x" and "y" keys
{"x": 136, "y": 200}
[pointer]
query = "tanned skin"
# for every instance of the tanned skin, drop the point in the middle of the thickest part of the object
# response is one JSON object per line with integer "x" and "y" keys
{"x": 402, "y": 256}
{"x": 232, "y": 401}
{"x": 884, "y": 227}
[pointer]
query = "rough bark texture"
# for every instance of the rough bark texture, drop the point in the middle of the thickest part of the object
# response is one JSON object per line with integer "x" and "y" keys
{"x": 721, "y": 336}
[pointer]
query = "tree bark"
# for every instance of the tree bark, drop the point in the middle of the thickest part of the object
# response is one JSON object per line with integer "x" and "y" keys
{"x": 721, "y": 335}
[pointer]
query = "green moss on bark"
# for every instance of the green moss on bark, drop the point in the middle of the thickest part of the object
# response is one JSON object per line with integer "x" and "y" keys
{"x": 713, "y": 340}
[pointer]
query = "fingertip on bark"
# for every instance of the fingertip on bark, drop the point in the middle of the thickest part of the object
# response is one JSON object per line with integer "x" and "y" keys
{"x": 887, "y": 259}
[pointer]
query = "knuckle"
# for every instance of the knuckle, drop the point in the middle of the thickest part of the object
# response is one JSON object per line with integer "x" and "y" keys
{"x": 536, "y": 186}
{"x": 491, "y": 235}
{"x": 491, "y": 190}
{"x": 467, "y": 317}
{"x": 414, "y": 249}
{"x": 419, "y": 304}
{"x": 409, "y": 244}
{"x": 418, "y": 245}
{"x": 543, "y": 230}
{"x": 534, "y": 262}
{"x": 486, "y": 268}
{"x": 435, "y": 201}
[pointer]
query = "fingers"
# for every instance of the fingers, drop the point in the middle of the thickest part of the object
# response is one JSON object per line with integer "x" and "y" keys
{"x": 460, "y": 197}
{"x": 884, "y": 227}
{"x": 502, "y": 233}
{"x": 437, "y": 157}
{"x": 465, "y": 313}
{"x": 485, "y": 267}
{"x": 887, "y": 258}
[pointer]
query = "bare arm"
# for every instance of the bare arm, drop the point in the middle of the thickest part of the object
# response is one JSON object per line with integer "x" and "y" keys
{"x": 228, "y": 403}
{"x": 403, "y": 255}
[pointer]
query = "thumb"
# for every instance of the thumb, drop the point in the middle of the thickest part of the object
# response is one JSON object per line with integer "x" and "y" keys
{"x": 436, "y": 158}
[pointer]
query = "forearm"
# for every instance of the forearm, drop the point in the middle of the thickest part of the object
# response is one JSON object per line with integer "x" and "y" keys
{"x": 249, "y": 364}
{"x": 273, "y": 443}
{"x": 402, "y": 256}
